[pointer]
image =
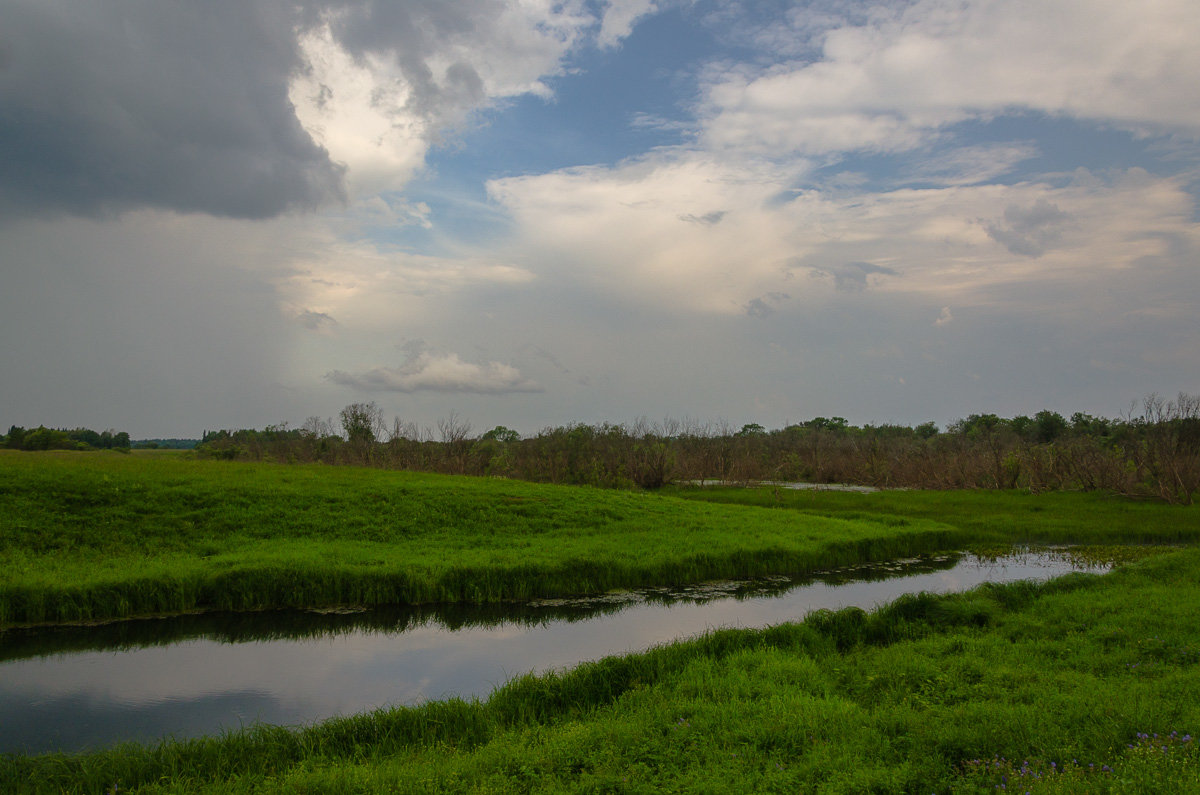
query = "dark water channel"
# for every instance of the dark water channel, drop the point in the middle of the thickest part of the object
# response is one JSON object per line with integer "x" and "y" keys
{"x": 75, "y": 688}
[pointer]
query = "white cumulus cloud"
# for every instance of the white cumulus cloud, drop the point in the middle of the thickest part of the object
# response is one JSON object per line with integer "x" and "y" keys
{"x": 427, "y": 370}
{"x": 896, "y": 80}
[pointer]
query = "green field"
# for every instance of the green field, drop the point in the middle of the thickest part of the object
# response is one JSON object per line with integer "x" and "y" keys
{"x": 1084, "y": 684}
{"x": 92, "y": 536}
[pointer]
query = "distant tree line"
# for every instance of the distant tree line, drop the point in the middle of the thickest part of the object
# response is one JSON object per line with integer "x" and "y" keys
{"x": 43, "y": 438}
{"x": 165, "y": 444}
{"x": 1153, "y": 452}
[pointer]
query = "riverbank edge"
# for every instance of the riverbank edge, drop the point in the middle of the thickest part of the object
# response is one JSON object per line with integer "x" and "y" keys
{"x": 285, "y": 586}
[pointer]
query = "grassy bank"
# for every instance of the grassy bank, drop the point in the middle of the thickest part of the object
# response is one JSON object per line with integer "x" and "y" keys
{"x": 89, "y": 536}
{"x": 1085, "y": 684}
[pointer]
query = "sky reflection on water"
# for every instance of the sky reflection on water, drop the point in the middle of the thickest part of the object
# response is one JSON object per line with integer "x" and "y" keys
{"x": 191, "y": 686}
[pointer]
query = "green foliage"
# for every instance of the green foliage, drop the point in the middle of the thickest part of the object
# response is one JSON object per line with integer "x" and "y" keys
{"x": 501, "y": 434}
{"x": 926, "y": 430}
{"x": 43, "y": 438}
{"x": 165, "y": 444}
{"x": 360, "y": 421}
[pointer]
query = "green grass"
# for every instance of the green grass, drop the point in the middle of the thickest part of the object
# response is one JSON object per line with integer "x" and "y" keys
{"x": 1069, "y": 680}
{"x": 96, "y": 536}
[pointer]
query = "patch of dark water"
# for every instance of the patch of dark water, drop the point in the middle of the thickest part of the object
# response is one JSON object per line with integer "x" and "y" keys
{"x": 75, "y": 688}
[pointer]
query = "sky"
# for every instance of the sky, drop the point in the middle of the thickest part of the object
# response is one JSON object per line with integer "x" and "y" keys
{"x": 532, "y": 213}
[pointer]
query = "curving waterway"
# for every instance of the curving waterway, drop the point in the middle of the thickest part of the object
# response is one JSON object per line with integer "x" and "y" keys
{"x": 77, "y": 688}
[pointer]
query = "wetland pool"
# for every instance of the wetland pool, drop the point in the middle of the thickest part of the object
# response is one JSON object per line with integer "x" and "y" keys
{"x": 78, "y": 688}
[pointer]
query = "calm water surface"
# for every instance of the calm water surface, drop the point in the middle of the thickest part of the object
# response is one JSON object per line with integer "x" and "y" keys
{"x": 85, "y": 687}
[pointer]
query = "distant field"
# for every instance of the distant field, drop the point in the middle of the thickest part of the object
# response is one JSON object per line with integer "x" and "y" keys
{"x": 89, "y": 536}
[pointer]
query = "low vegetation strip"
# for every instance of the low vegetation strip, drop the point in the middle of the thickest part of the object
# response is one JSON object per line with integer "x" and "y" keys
{"x": 95, "y": 536}
{"x": 1084, "y": 684}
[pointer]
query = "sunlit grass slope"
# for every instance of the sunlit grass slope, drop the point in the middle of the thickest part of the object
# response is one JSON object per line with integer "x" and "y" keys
{"x": 1084, "y": 684}
{"x": 87, "y": 536}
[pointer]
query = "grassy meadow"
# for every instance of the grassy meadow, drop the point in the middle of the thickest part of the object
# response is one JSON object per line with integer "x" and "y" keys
{"x": 1088, "y": 683}
{"x": 94, "y": 536}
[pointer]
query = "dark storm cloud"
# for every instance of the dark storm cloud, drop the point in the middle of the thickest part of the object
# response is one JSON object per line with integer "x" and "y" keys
{"x": 112, "y": 105}
{"x": 117, "y": 104}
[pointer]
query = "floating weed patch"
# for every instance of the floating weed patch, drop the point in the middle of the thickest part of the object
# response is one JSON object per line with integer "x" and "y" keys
{"x": 1151, "y": 763}
{"x": 1097, "y": 556}
{"x": 1114, "y": 555}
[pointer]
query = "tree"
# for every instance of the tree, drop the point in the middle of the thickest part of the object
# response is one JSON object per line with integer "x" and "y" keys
{"x": 16, "y": 438}
{"x": 926, "y": 430}
{"x": 1048, "y": 426}
{"x": 835, "y": 424}
{"x": 502, "y": 434}
{"x": 360, "y": 421}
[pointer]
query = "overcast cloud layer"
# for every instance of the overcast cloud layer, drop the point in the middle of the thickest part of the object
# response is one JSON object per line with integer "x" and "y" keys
{"x": 233, "y": 214}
